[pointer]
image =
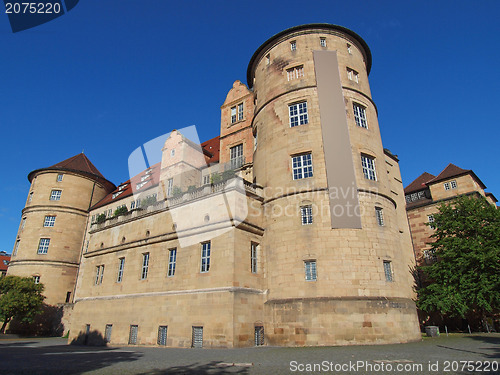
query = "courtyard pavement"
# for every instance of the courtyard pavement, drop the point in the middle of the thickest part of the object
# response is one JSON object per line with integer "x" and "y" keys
{"x": 456, "y": 354}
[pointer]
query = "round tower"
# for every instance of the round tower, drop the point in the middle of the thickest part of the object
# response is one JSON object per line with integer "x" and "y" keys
{"x": 337, "y": 241}
{"x": 50, "y": 236}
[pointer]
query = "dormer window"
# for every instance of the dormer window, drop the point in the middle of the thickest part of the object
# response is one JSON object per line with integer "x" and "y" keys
{"x": 120, "y": 188}
{"x": 117, "y": 194}
{"x": 144, "y": 178}
{"x": 141, "y": 184}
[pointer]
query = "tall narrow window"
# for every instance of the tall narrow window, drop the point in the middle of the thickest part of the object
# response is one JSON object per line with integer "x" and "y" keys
{"x": 162, "y": 335}
{"x": 30, "y": 197}
{"x": 310, "y": 268}
{"x": 388, "y": 271}
{"x": 253, "y": 256}
{"x": 368, "y": 164}
{"x": 121, "y": 267}
{"x": 446, "y": 186}
{"x": 16, "y": 247}
{"x": 59, "y": 177}
{"x": 360, "y": 115}
{"x": 302, "y": 166}
{"x": 306, "y": 214}
{"x": 99, "y": 274}
{"x": 36, "y": 279}
{"x": 349, "y": 49}
{"x": 298, "y": 114}
{"x": 379, "y": 214}
{"x": 49, "y": 221}
{"x": 55, "y": 195}
{"x": 259, "y": 335}
{"x": 293, "y": 45}
{"x": 233, "y": 115}
{"x": 205, "y": 256}
{"x": 322, "y": 42}
{"x": 295, "y": 73}
{"x": 352, "y": 75}
{"x": 197, "y": 337}
{"x": 107, "y": 332}
{"x": 132, "y": 205}
{"x": 453, "y": 184}
{"x": 145, "y": 266}
{"x": 170, "y": 187}
{"x": 240, "y": 112}
{"x": 172, "y": 259}
{"x": 43, "y": 245}
{"x": 236, "y": 156}
{"x": 23, "y": 222}
{"x": 132, "y": 337}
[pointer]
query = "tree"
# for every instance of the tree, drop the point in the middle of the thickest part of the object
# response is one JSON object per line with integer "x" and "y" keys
{"x": 465, "y": 279}
{"x": 20, "y": 298}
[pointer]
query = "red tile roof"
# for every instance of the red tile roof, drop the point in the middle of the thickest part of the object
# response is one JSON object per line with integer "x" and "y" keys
{"x": 419, "y": 183}
{"x": 213, "y": 147}
{"x": 452, "y": 170}
{"x": 3, "y": 259}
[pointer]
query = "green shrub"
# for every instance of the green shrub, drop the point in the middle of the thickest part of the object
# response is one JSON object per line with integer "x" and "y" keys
{"x": 148, "y": 201}
{"x": 215, "y": 178}
{"x": 101, "y": 218}
{"x": 226, "y": 175}
{"x": 191, "y": 188}
{"x": 176, "y": 191}
{"x": 120, "y": 211}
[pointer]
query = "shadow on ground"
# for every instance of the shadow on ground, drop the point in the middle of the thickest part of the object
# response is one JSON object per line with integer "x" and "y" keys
{"x": 30, "y": 358}
{"x": 211, "y": 368}
{"x": 491, "y": 344}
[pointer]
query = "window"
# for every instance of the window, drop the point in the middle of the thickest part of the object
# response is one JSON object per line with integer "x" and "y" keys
{"x": 145, "y": 266}
{"x": 16, "y": 247}
{"x": 352, "y": 75}
{"x": 205, "y": 256}
{"x": 268, "y": 59}
{"x": 55, "y": 195}
{"x": 59, "y": 177}
{"x": 172, "y": 258}
{"x": 236, "y": 156}
{"x": 36, "y": 279}
{"x": 162, "y": 335}
{"x": 295, "y": 73}
{"x": 197, "y": 337}
{"x": 116, "y": 194}
{"x": 240, "y": 111}
{"x": 233, "y": 115}
{"x": 360, "y": 115}
{"x": 302, "y": 166}
{"x": 446, "y": 186}
{"x": 121, "y": 267}
{"x": 310, "y": 267}
{"x": 68, "y": 297}
{"x": 99, "y": 274}
{"x": 368, "y": 164}
{"x": 298, "y": 114}
{"x": 453, "y": 184}
{"x": 43, "y": 245}
{"x": 349, "y": 49}
{"x": 388, "y": 271}
{"x": 132, "y": 205}
{"x": 259, "y": 335}
{"x": 23, "y": 222}
{"x": 379, "y": 214}
{"x": 141, "y": 184}
{"x": 322, "y": 42}
{"x": 206, "y": 179}
{"x": 306, "y": 214}
{"x": 172, "y": 153}
{"x": 429, "y": 256}
{"x": 49, "y": 221}
{"x": 87, "y": 246}
{"x": 430, "y": 218}
{"x": 170, "y": 187}
{"x": 30, "y": 197}
{"x": 132, "y": 337}
{"x": 253, "y": 256}
{"x": 107, "y": 332}
{"x": 293, "y": 45}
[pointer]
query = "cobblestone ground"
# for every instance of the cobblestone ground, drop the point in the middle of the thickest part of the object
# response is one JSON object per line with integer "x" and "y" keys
{"x": 456, "y": 354}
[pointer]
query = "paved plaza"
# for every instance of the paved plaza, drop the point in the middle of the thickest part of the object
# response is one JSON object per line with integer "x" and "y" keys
{"x": 456, "y": 354}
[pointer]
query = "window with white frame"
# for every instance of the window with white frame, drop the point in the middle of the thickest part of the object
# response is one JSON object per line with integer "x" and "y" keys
{"x": 306, "y": 214}
{"x": 293, "y": 45}
{"x": 349, "y": 49}
{"x": 36, "y": 279}
{"x": 172, "y": 260}
{"x": 302, "y": 166}
{"x": 368, "y": 164}
{"x": 388, "y": 271}
{"x": 298, "y": 114}
{"x": 295, "y": 73}
{"x": 205, "y": 256}
{"x": 236, "y": 156}
{"x": 116, "y": 194}
{"x": 59, "y": 177}
{"x": 429, "y": 256}
{"x": 110, "y": 212}
{"x": 121, "y": 268}
{"x": 352, "y": 75}
{"x": 16, "y": 247}
{"x": 206, "y": 179}
{"x": 360, "y": 115}
{"x": 322, "y": 41}
{"x": 55, "y": 195}
{"x": 170, "y": 187}
{"x": 253, "y": 256}
{"x": 310, "y": 268}
{"x": 430, "y": 218}
{"x": 132, "y": 205}
{"x": 140, "y": 184}
{"x": 145, "y": 266}
{"x": 453, "y": 184}
{"x": 233, "y": 115}
{"x": 446, "y": 186}
{"x": 240, "y": 112}
{"x": 49, "y": 221}
{"x": 43, "y": 245}
{"x": 99, "y": 274}
{"x": 379, "y": 214}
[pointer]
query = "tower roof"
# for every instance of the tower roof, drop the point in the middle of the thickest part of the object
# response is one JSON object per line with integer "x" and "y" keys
{"x": 311, "y": 26}
{"x": 419, "y": 183}
{"x": 79, "y": 164}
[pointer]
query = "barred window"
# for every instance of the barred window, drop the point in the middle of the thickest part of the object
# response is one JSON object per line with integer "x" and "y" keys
{"x": 379, "y": 213}
{"x": 295, "y": 73}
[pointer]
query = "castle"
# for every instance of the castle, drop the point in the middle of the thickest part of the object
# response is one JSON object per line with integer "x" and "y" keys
{"x": 287, "y": 229}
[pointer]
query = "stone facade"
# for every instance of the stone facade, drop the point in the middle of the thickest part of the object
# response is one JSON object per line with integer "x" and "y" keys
{"x": 308, "y": 244}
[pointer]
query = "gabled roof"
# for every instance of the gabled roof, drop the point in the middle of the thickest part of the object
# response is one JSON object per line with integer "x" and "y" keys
{"x": 451, "y": 171}
{"x": 212, "y": 146}
{"x": 79, "y": 164}
{"x": 419, "y": 183}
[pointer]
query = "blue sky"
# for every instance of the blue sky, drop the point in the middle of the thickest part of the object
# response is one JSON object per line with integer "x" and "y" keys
{"x": 112, "y": 74}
